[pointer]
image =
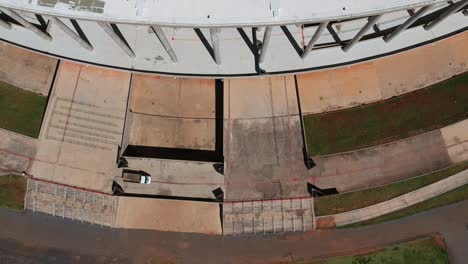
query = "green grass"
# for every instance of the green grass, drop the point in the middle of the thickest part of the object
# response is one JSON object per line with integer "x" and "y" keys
{"x": 334, "y": 204}
{"x": 416, "y": 252}
{"x": 454, "y": 196}
{"x": 20, "y": 110}
{"x": 12, "y": 190}
{"x": 393, "y": 119}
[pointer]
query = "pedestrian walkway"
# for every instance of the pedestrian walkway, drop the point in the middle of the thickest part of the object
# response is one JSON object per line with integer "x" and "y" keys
{"x": 391, "y": 162}
{"x": 395, "y": 204}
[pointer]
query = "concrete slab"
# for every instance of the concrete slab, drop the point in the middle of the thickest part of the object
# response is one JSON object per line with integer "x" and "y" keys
{"x": 169, "y": 215}
{"x": 339, "y": 88}
{"x": 456, "y": 140}
{"x": 383, "y": 164}
{"x": 383, "y": 78}
{"x": 175, "y": 178}
{"x": 83, "y": 127}
{"x": 173, "y": 113}
{"x": 416, "y": 69}
{"x": 263, "y": 144}
{"x": 16, "y": 151}
{"x": 162, "y": 96}
{"x": 262, "y": 97}
{"x": 156, "y": 131}
{"x": 26, "y": 69}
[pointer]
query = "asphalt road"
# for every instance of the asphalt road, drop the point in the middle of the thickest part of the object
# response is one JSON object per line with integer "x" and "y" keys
{"x": 35, "y": 238}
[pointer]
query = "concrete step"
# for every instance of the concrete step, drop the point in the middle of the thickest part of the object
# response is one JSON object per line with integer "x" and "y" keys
{"x": 269, "y": 216}
{"x": 84, "y": 124}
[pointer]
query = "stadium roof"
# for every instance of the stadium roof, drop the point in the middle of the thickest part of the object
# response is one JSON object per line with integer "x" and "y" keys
{"x": 208, "y": 13}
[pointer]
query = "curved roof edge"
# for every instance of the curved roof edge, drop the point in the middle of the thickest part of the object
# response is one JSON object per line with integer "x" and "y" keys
{"x": 215, "y": 13}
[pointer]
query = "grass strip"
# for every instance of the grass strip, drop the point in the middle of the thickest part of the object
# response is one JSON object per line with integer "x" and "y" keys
{"x": 12, "y": 190}
{"x": 431, "y": 250}
{"x": 457, "y": 195}
{"x": 20, "y": 110}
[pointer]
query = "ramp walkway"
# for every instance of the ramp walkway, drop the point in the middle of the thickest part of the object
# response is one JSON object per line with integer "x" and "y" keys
{"x": 397, "y": 203}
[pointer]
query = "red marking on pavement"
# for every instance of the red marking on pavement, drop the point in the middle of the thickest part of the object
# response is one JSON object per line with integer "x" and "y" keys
{"x": 5, "y": 169}
{"x": 16, "y": 154}
{"x": 67, "y": 185}
{"x": 268, "y": 200}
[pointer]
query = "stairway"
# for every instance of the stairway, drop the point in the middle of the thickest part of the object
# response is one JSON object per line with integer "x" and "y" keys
{"x": 268, "y": 216}
{"x": 84, "y": 124}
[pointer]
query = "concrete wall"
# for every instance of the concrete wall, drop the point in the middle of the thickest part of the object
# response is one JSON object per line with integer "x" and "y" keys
{"x": 128, "y": 120}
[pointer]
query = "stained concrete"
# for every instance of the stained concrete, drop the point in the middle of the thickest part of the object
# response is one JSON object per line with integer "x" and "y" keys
{"x": 456, "y": 140}
{"x": 339, "y": 88}
{"x": 16, "y": 151}
{"x": 95, "y": 6}
{"x": 169, "y": 215}
{"x": 167, "y": 132}
{"x": 163, "y": 96}
{"x": 26, "y": 69}
{"x": 382, "y": 164}
{"x": 173, "y": 113}
{"x": 263, "y": 145}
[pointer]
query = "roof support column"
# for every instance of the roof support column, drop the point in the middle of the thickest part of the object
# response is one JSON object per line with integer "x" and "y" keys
{"x": 59, "y": 23}
{"x": 215, "y": 42}
{"x": 162, "y": 38}
{"x": 5, "y": 24}
{"x": 372, "y": 21}
{"x": 452, "y": 9}
{"x": 27, "y": 24}
{"x": 265, "y": 43}
{"x": 314, "y": 38}
{"x": 108, "y": 29}
{"x": 407, "y": 23}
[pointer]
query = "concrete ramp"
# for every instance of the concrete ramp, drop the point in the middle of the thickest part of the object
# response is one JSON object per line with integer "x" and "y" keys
{"x": 168, "y": 215}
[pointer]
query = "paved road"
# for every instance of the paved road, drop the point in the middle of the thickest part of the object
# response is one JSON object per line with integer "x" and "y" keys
{"x": 37, "y": 238}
